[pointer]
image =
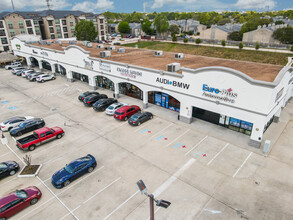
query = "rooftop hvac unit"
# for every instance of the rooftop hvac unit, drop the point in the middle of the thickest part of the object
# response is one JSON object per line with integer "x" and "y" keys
{"x": 179, "y": 55}
{"x": 121, "y": 50}
{"x": 104, "y": 54}
{"x": 112, "y": 47}
{"x": 42, "y": 42}
{"x": 72, "y": 42}
{"x": 49, "y": 43}
{"x": 100, "y": 46}
{"x": 60, "y": 43}
{"x": 84, "y": 43}
{"x": 173, "y": 67}
{"x": 90, "y": 45}
{"x": 158, "y": 53}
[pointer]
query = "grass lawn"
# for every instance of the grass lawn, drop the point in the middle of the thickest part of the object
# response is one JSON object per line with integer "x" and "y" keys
{"x": 226, "y": 53}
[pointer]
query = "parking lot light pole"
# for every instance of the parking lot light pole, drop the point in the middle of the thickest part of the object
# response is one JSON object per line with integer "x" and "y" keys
{"x": 161, "y": 203}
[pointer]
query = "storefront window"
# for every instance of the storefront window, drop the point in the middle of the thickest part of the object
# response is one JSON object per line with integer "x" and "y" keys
{"x": 104, "y": 82}
{"x": 130, "y": 90}
{"x": 81, "y": 77}
{"x": 164, "y": 100}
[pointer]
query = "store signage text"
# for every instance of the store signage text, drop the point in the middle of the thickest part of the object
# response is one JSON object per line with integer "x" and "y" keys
{"x": 35, "y": 52}
{"x": 44, "y": 53}
{"x": 128, "y": 72}
{"x": 105, "y": 67}
{"x": 226, "y": 95}
{"x": 88, "y": 64}
{"x": 173, "y": 83}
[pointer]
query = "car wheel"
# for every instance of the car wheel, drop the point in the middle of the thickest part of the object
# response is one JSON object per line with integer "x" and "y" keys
{"x": 151, "y": 117}
{"x": 2, "y": 218}
{"x": 34, "y": 201}
{"x": 12, "y": 172}
{"x": 59, "y": 136}
{"x": 32, "y": 147}
{"x": 138, "y": 123}
{"x": 39, "y": 126}
{"x": 66, "y": 183}
{"x": 90, "y": 169}
{"x": 42, "y": 81}
{"x": 125, "y": 119}
{"x": 9, "y": 128}
{"x": 53, "y": 78}
{"x": 19, "y": 134}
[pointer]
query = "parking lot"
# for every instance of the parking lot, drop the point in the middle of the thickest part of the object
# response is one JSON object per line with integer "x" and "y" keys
{"x": 202, "y": 175}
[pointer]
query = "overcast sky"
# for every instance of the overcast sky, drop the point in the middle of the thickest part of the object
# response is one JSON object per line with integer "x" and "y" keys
{"x": 99, "y": 6}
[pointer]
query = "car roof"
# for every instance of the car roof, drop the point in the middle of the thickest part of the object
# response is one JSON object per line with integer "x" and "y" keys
{"x": 42, "y": 130}
{"x": 14, "y": 118}
{"x": 124, "y": 108}
{"x": 32, "y": 119}
{"x": 79, "y": 161}
{"x": 8, "y": 198}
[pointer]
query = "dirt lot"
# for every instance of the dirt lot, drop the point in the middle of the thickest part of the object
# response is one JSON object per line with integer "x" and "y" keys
{"x": 204, "y": 177}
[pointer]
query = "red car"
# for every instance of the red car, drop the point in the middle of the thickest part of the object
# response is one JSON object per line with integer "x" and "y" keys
{"x": 125, "y": 112}
{"x": 18, "y": 200}
{"x": 39, "y": 137}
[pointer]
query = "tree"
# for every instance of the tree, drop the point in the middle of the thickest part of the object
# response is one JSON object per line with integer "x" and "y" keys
{"x": 174, "y": 29}
{"x": 279, "y": 22}
{"x": 174, "y": 38}
{"x": 198, "y": 40}
{"x": 185, "y": 40}
{"x": 223, "y": 43}
{"x": 236, "y": 36}
{"x": 240, "y": 45}
{"x": 123, "y": 27}
{"x": 161, "y": 23}
{"x": 146, "y": 27}
{"x": 85, "y": 31}
{"x": 257, "y": 46}
{"x": 284, "y": 35}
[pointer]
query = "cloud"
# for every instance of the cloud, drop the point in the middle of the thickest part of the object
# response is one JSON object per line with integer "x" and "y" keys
{"x": 161, "y": 3}
{"x": 189, "y": 5}
{"x": 100, "y": 5}
{"x": 32, "y": 4}
{"x": 255, "y": 4}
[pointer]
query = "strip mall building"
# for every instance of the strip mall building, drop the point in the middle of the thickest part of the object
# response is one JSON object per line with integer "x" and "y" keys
{"x": 244, "y": 96}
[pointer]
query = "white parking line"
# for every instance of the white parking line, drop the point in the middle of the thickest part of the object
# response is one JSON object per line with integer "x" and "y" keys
{"x": 46, "y": 148}
{"x": 15, "y": 154}
{"x": 14, "y": 139}
{"x": 242, "y": 164}
{"x": 146, "y": 124}
{"x": 9, "y": 180}
{"x": 196, "y": 145}
{"x": 121, "y": 205}
{"x": 178, "y": 137}
{"x": 92, "y": 197}
{"x": 218, "y": 154}
{"x": 174, "y": 177}
{"x": 162, "y": 130}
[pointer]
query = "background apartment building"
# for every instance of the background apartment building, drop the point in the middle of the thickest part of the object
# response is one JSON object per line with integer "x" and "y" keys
{"x": 48, "y": 24}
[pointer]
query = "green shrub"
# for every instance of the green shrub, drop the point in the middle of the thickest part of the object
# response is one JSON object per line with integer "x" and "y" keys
{"x": 198, "y": 40}
{"x": 257, "y": 46}
{"x": 122, "y": 35}
{"x": 174, "y": 38}
{"x": 185, "y": 40}
{"x": 291, "y": 48}
{"x": 240, "y": 45}
{"x": 223, "y": 43}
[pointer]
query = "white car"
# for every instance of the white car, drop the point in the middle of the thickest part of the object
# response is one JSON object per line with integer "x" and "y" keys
{"x": 112, "y": 108}
{"x": 12, "y": 65}
{"x": 15, "y": 69}
{"x": 45, "y": 77}
{"x": 26, "y": 72}
{"x": 13, "y": 122}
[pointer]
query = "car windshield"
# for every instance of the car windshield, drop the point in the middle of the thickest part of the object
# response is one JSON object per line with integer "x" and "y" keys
{"x": 22, "y": 125}
{"x": 69, "y": 168}
{"x": 21, "y": 194}
{"x": 3, "y": 166}
{"x": 119, "y": 113}
{"x": 110, "y": 107}
{"x": 134, "y": 117}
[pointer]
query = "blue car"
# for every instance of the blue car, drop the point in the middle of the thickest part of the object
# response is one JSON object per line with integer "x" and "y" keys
{"x": 73, "y": 170}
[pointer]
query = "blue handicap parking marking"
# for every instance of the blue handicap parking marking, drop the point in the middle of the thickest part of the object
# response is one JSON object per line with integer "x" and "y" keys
{"x": 161, "y": 137}
{"x": 199, "y": 153}
{"x": 178, "y": 145}
{"x": 12, "y": 108}
{"x": 4, "y": 102}
{"x": 145, "y": 131}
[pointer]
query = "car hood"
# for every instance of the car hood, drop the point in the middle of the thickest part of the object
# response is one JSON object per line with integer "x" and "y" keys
{"x": 61, "y": 175}
{"x": 57, "y": 129}
{"x": 32, "y": 190}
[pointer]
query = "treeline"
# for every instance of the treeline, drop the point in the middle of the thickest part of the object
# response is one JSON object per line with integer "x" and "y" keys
{"x": 206, "y": 18}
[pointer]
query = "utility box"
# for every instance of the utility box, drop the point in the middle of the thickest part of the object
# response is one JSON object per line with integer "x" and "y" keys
{"x": 266, "y": 146}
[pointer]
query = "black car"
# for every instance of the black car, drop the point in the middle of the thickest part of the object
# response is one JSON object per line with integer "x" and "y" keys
{"x": 139, "y": 118}
{"x": 102, "y": 104}
{"x": 8, "y": 168}
{"x": 85, "y": 94}
{"x": 27, "y": 126}
{"x": 91, "y": 99}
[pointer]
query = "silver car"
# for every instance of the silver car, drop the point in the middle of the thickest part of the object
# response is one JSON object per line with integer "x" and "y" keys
{"x": 112, "y": 108}
{"x": 10, "y": 123}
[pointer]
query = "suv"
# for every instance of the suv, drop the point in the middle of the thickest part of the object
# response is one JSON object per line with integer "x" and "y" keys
{"x": 12, "y": 65}
{"x": 26, "y": 72}
{"x": 15, "y": 69}
{"x": 33, "y": 76}
{"x": 126, "y": 112}
{"x": 45, "y": 77}
{"x": 91, "y": 99}
{"x": 102, "y": 104}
